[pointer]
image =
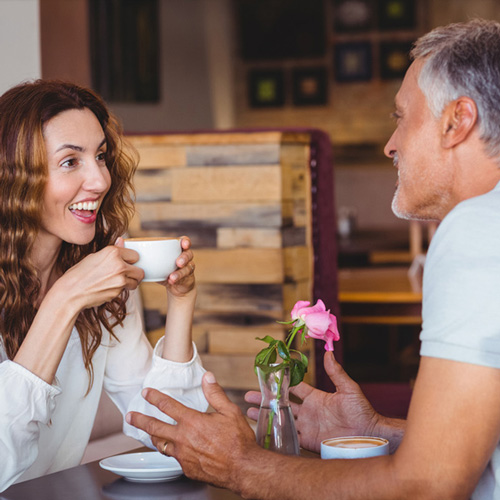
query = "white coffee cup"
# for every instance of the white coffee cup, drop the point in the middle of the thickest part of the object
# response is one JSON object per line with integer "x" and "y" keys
{"x": 157, "y": 256}
{"x": 354, "y": 447}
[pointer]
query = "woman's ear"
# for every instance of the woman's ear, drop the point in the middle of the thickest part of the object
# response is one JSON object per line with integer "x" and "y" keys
{"x": 458, "y": 119}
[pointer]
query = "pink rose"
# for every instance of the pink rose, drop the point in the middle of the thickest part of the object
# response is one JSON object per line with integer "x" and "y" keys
{"x": 320, "y": 324}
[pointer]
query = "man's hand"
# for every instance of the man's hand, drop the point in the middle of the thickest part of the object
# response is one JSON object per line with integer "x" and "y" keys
{"x": 322, "y": 414}
{"x": 209, "y": 446}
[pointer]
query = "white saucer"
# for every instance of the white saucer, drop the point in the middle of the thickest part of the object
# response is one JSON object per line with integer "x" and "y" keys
{"x": 148, "y": 467}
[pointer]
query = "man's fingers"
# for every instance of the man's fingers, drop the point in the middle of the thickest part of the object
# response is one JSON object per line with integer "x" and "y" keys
{"x": 253, "y": 413}
{"x": 152, "y": 426}
{"x": 337, "y": 374}
{"x": 166, "y": 404}
{"x": 215, "y": 395}
{"x": 302, "y": 390}
{"x": 253, "y": 397}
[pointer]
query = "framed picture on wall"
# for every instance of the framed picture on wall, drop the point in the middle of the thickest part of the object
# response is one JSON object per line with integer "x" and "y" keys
{"x": 125, "y": 50}
{"x": 266, "y": 88}
{"x": 394, "y": 59}
{"x": 309, "y": 86}
{"x": 353, "y": 62}
{"x": 396, "y": 15}
{"x": 280, "y": 29}
{"x": 353, "y": 15}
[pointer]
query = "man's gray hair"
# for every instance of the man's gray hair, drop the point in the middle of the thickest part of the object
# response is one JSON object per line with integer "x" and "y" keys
{"x": 463, "y": 59}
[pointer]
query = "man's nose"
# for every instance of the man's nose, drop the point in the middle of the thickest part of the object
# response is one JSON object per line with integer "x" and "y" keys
{"x": 390, "y": 148}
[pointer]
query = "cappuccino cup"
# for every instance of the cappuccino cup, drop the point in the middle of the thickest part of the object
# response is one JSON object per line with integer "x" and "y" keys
{"x": 157, "y": 256}
{"x": 354, "y": 447}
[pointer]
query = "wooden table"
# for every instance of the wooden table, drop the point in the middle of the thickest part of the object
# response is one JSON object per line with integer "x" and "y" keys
{"x": 90, "y": 482}
{"x": 388, "y": 295}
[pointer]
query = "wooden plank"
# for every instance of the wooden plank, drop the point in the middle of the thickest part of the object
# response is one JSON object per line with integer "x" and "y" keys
{"x": 241, "y": 340}
{"x": 240, "y": 298}
{"x": 294, "y": 160}
{"x": 238, "y": 237}
{"x": 201, "y": 237}
{"x": 293, "y": 292}
{"x": 160, "y": 156}
{"x": 218, "y": 184}
{"x": 153, "y": 185}
{"x": 154, "y": 297}
{"x": 163, "y": 215}
{"x": 237, "y": 154}
{"x": 206, "y": 318}
{"x": 300, "y": 214}
{"x": 232, "y": 372}
{"x": 228, "y": 237}
{"x": 247, "y": 137}
{"x": 240, "y": 265}
{"x": 298, "y": 263}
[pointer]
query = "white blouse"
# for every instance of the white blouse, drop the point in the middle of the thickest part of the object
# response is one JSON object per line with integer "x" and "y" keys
{"x": 45, "y": 428}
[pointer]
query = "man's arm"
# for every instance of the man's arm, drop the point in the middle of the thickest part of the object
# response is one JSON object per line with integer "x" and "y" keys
{"x": 453, "y": 428}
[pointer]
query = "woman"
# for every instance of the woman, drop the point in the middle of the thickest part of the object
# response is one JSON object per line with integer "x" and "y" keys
{"x": 68, "y": 325}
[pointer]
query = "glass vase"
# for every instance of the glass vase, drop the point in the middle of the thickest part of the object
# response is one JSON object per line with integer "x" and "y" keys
{"x": 275, "y": 424}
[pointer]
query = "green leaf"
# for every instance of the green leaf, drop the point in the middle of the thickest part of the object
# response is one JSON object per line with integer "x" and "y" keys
{"x": 267, "y": 339}
{"x": 269, "y": 369}
{"x": 283, "y": 350}
{"x": 303, "y": 357}
{"x": 303, "y": 336}
{"x": 267, "y": 355}
{"x": 297, "y": 372}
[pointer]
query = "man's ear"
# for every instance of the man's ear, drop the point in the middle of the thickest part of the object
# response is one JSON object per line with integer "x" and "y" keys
{"x": 458, "y": 119}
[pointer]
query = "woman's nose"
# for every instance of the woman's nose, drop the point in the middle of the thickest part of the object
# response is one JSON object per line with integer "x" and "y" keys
{"x": 97, "y": 177}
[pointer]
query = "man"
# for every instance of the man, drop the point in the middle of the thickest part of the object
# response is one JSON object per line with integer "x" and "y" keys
{"x": 446, "y": 148}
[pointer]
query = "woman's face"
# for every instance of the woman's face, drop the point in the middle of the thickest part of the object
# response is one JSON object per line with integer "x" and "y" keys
{"x": 78, "y": 178}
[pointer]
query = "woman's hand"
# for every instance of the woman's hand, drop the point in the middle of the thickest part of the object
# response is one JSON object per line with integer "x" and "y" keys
{"x": 101, "y": 276}
{"x": 181, "y": 282}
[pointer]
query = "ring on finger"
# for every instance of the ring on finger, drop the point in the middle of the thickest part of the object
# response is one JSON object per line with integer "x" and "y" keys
{"x": 163, "y": 450}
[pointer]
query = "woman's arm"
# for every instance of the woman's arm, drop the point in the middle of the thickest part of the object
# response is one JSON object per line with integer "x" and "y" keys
{"x": 181, "y": 298}
{"x": 98, "y": 278}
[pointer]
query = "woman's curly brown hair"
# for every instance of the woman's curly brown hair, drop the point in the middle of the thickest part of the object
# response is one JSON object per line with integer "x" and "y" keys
{"x": 24, "y": 110}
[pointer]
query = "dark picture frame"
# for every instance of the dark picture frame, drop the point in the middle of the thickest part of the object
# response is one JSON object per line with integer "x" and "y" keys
{"x": 124, "y": 49}
{"x": 394, "y": 59}
{"x": 266, "y": 88}
{"x": 309, "y": 86}
{"x": 353, "y": 62}
{"x": 397, "y": 15}
{"x": 353, "y": 16}
{"x": 280, "y": 29}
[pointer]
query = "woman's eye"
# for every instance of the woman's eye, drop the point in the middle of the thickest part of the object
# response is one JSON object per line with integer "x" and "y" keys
{"x": 70, "y": 163}
{"x": 101, "y": 156}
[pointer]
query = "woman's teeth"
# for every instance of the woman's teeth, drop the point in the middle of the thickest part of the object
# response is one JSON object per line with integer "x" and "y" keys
{"x": 86, "y": 205}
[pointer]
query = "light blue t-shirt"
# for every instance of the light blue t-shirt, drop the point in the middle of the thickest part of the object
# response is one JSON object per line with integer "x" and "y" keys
{"x": 461, "y": 298}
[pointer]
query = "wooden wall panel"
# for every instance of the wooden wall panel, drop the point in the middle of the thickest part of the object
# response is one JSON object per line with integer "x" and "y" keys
{"x": 244, "y": 200}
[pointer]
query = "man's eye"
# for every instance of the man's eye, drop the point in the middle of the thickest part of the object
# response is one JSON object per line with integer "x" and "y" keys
{"x": 395, "y": 116}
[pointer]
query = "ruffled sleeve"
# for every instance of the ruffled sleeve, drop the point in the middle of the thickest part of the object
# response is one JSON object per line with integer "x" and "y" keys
{"x": 132, "y": 365}
{"x": 26, "y": 402}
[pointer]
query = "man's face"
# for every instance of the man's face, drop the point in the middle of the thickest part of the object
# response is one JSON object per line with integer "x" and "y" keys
{"x": 425, "y": 179}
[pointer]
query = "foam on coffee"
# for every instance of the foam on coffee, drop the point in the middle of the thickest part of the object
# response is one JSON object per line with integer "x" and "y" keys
{"x": 354, "y": 443}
